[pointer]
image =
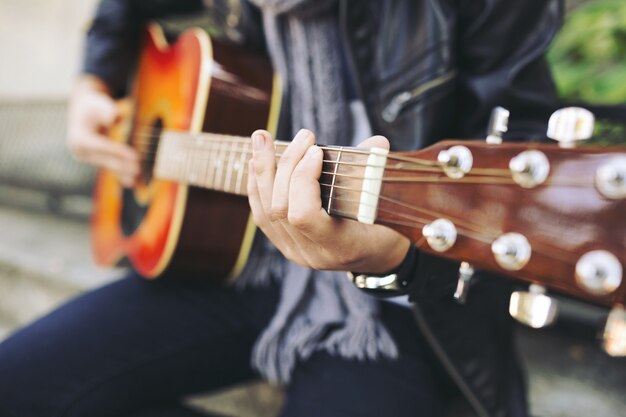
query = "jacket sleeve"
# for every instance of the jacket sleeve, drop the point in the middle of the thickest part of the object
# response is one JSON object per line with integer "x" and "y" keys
{"x": 501, "y": 61}
{"x": 113, "y": 37}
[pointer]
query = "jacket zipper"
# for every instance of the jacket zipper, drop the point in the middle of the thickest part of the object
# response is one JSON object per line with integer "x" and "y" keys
{"x": 401, "y": 100}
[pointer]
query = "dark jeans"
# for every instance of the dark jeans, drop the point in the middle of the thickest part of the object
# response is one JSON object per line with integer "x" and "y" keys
{"x": 134, "y": 348}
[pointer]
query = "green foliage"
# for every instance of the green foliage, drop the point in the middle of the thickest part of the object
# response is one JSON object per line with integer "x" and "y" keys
{"x": 588, "y": 57}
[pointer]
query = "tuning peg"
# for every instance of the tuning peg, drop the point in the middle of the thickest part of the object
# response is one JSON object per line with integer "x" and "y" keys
{"x": 569, "y": 125}
{"x": 530, "y": 168}
{"x": 512, "y": 251}
{"x": 533, "y": 308}
{"x": 498, "y": 124}
{"x": 466, "y": 273}
{"x": 599, "y": 272}
{"x": 611, "y": 178}
{"x": 456, "y": 161}
{"x": 441, "y": 234}
{"x": 615, "y": 332}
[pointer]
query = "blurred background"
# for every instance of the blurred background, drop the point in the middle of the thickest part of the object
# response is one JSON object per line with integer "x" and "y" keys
{"x": 44, "y": 195}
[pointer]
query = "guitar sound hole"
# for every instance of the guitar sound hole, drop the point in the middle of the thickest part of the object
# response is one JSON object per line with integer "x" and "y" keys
{"x": 150, "y": 147}
{"x": 133, "y": 211}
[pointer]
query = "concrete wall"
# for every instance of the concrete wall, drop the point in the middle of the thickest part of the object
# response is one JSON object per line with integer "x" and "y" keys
{"x": 40, "y": 46}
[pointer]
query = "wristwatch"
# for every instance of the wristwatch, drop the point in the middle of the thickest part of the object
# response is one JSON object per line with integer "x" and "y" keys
{"x": 389, "y": 284}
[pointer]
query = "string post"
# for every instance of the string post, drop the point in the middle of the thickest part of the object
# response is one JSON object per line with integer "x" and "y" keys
{"x": 440, "y": 234}
{"x": 530, "y": 168}
{"x": 610, "y": 178}
{"x": 498, "y": 125}
{"x": 511, "y": 251}
{"x": 466, "y": 274}
{"x": 456, "y": 161}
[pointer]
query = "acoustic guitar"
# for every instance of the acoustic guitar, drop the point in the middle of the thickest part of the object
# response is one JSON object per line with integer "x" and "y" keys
{"x": 554, "y": 216}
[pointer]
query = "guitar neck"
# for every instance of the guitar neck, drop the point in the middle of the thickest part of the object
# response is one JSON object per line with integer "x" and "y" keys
{"x": 535, "y": 222}
{"x": 206, "y": 160}
{"x": 220, "y": 162}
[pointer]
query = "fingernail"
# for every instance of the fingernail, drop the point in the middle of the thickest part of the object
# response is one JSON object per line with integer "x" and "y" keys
{"x": 302, "y": 135}
{"x": 312, "y": 151}
{"x": 258, "y": 141}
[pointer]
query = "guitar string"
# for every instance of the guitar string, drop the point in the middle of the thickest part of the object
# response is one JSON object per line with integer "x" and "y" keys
{"x": 489, "y": 235}
{"x": 428, "y": 212}
{"x": 416, "y": 220}
{"x": 464, "y": 180}
{"x": 505, "y": 174}
{"x": 231, "y": 138}
{"x": 475, "y": 172}
{"x": 479, "y": 236}
{"x": 436, "y": 168}
{"x": 492, "y": 234}
{"x": 477, "y": 178}
{"x": 434, "y": 214}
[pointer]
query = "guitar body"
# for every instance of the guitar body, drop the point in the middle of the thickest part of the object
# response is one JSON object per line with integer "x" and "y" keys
{"x": 162, "y": 226}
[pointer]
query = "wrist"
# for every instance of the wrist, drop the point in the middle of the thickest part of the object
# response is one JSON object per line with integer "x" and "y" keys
{"x": 89, "y": 82}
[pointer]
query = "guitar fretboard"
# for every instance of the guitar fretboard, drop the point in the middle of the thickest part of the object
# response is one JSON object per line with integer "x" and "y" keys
{"x": 350, "y": 180}
{"x": 211, "y": 161}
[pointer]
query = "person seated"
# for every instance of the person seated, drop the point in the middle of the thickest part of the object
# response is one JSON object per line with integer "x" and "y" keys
{"x": 138, "y": 347}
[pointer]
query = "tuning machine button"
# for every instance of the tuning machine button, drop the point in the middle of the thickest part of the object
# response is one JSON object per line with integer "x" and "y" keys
{"x": 498, "y": 125}
{"x": 533, "y": 308}
{"x": 599, "y": 272}
{"x": 569, "y": 125}
{"x": 611, "y": 178}
{"x": 456, "y": 161}
{"x": 440, "y": 234}
{"x": 615, "y": 332}
{"x": 512, "y": 251}
{"x": 466, "y": 273}
{"x": 530, "y": 168}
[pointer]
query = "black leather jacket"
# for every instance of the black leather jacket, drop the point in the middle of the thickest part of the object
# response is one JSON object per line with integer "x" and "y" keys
{"x": 426, "y": 70}
{"x": 434, "y": 69}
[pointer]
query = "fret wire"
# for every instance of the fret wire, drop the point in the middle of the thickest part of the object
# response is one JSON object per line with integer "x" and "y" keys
{"x": 212, "y": 167}
{"x": 229, "y": 167}
{"x": 202, "y": 174}
{"x": 219, "y": 169}
{"x": 193, "y": 167}
{"x": 330, "y": 199}
{"x": 242, "y": 164}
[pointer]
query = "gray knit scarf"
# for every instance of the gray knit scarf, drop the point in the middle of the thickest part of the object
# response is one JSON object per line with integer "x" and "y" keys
{"x": 318, "y": 310}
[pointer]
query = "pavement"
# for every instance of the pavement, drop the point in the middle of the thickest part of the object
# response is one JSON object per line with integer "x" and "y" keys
{"x": 45, "y": 259}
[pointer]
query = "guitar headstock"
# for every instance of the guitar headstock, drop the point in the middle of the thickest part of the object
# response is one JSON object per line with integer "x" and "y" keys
{"x": 552, "y": 216}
